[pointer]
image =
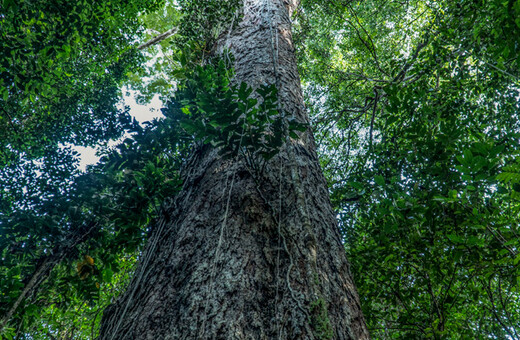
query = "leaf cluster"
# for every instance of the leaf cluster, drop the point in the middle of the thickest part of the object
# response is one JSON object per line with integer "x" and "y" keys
{"x": 234, "y": 118}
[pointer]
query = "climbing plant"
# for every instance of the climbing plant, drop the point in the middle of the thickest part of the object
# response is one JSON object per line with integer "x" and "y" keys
{"x": 232, "y": 117}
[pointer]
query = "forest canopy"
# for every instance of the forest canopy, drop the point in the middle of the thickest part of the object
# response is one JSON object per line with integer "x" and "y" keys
{"x": 415, "y": 110}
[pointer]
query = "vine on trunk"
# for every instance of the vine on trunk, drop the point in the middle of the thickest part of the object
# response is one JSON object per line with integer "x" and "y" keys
{"x": 233, "y": 117}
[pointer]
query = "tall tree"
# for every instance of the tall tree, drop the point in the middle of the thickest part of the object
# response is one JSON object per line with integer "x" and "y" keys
{"x": 247, "y": 251}
{"x": 422, "y": 165}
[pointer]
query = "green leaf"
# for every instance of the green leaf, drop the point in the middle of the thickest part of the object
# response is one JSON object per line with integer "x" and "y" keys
{"x": 380, "y": 180}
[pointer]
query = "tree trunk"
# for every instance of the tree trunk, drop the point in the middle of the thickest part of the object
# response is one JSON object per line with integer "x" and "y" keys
{"x": 242, "y": 254}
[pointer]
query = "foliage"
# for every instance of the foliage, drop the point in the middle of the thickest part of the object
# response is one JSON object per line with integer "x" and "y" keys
{"x": 234, "y": 118}
{"x": 48, "y": 80}
{"x": 204, "y": 21}
{"x": 74, "y": 232}
{"x": 60, "y": 84}
{"x": 199, "y": 24}
{"x": 422, "y": 98}
{"x": 154, "y": 77}
{"x": 105, "y": 214}
{"x": 414, "y": 105}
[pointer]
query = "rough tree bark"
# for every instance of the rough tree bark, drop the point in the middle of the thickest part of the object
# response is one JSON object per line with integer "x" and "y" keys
{"x": 243, "y": 255}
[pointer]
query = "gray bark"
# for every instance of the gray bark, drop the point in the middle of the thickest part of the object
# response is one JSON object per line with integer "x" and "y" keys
{"x": 242, "y": 254}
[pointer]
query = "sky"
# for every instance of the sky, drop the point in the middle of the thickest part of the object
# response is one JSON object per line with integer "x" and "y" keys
{"x": 141, "y": 113}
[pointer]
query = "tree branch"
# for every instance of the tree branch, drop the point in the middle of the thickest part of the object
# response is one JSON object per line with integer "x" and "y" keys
{"x": 157, "y": 39}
